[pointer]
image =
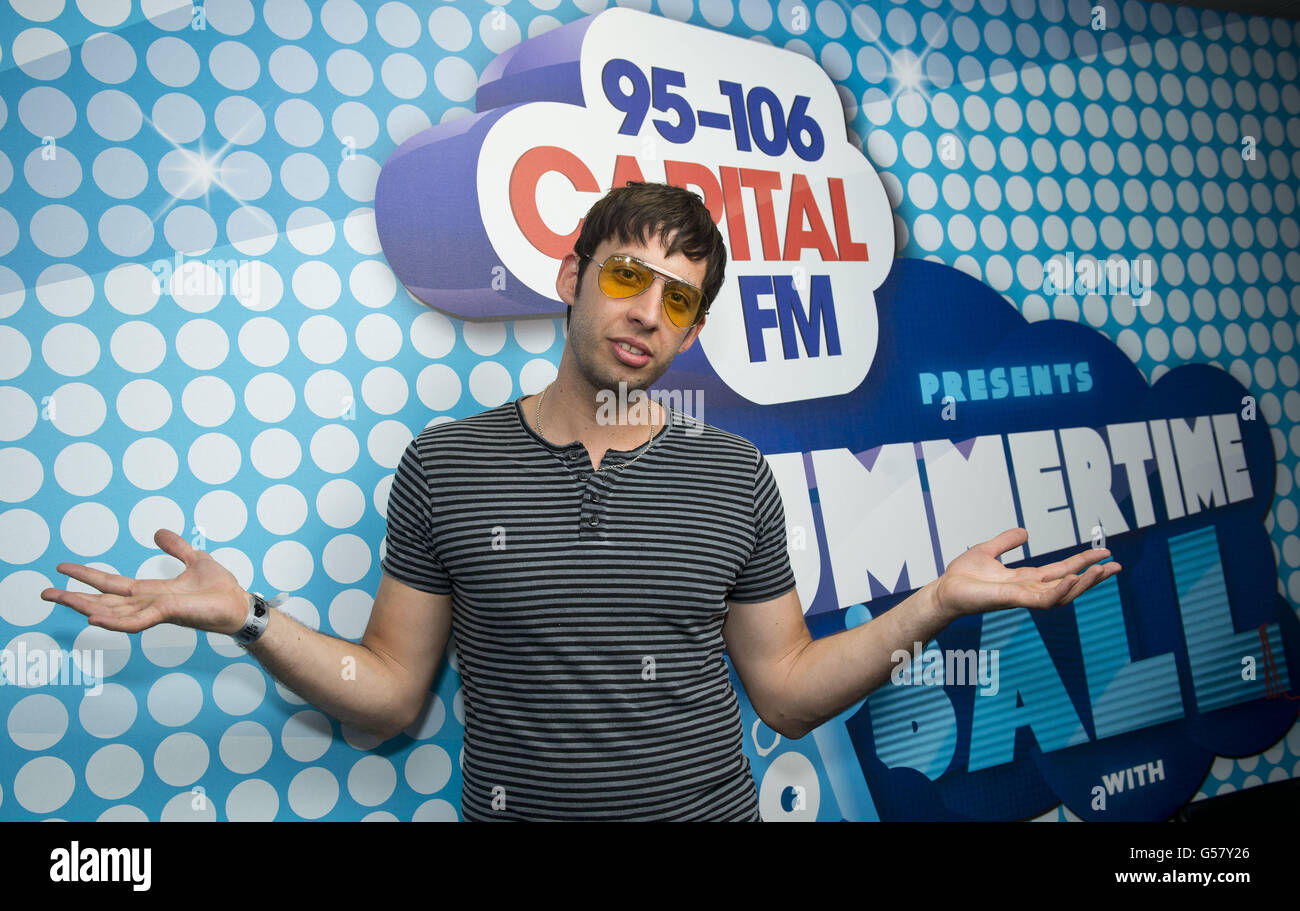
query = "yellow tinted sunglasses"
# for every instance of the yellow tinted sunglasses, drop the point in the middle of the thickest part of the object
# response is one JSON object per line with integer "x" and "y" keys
{"x": 622, "y": 276}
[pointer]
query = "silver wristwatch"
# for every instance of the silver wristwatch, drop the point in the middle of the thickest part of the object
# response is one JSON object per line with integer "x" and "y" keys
{"x": 259, "y": 610}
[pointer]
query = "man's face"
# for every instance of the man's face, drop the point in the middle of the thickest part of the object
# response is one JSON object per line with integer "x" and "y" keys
{"x": 599, "y": 323}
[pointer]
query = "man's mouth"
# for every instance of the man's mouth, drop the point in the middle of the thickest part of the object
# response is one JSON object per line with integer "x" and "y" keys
{"x": 630, "y": 354}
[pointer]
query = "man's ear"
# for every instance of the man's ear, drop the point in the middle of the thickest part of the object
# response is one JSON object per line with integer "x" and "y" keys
{"x": 692, "y": 335}
{"x": 566, "y": 280}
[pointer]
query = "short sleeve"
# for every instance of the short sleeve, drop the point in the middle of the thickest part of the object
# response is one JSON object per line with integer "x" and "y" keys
{"x": 409, "y": 556}
{"x": 767, "y": 574}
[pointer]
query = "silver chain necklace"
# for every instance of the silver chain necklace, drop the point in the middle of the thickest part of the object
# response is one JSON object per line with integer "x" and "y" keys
{"x": 537, "y": 419}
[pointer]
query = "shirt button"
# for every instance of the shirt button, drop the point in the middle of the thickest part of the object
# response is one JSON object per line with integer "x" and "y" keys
{"x": 584, "y": 476}
{"x": 594, "y": 521}
{"x": 595, "y": 498}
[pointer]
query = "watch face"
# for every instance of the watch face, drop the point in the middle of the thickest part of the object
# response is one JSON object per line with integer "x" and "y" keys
{"x": 259, "y": 608}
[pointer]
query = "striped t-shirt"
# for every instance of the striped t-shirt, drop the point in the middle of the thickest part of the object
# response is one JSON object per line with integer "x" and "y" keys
{"x": 587, "y": 608}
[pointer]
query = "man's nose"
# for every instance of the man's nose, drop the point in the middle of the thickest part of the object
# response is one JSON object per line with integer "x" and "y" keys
{"x": 647, "y": 307}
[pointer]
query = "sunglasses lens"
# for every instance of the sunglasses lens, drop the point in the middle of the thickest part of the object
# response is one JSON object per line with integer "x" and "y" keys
{"x": 682, "y": 303}
{"x": 623, "y": 277}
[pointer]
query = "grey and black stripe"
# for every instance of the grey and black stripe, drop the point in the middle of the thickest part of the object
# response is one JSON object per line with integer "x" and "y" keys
{"x": 588, "y": 608}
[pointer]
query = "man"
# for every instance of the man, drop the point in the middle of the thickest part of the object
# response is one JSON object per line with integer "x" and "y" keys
{"x": 593, "y": 571}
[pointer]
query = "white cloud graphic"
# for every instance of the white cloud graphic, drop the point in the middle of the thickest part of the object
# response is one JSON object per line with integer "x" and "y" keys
{"x": 716, "y": 74}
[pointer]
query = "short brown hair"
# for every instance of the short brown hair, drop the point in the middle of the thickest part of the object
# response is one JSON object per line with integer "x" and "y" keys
{"x": 639, "y": 211}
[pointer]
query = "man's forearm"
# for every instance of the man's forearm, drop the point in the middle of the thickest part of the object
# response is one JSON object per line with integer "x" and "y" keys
{"x": 832, "y": 673}
{"x": 344, "y": 679}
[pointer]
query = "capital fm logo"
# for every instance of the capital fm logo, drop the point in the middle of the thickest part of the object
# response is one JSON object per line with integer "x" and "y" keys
{"x": 475, "y": 214}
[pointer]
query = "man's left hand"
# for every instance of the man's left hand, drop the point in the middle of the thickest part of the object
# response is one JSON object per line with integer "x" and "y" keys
{"x": 977, "y": 581}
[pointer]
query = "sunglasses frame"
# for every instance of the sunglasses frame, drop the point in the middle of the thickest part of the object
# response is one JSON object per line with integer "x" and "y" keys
{"x": 668, "y": 280}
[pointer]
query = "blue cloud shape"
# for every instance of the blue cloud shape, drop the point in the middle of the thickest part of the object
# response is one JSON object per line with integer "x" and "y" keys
{"x": 921, "y": 749}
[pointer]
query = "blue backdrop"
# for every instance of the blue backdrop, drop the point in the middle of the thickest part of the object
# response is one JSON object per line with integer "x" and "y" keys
{"x": 198, "y": 330}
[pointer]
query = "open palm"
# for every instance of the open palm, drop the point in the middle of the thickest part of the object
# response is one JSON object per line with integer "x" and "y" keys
{"x": 977, "y": 581}
{"x": 205, "y": 596}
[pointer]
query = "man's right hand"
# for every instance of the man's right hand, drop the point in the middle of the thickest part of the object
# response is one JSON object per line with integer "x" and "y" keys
{"x": 206, "y": 596}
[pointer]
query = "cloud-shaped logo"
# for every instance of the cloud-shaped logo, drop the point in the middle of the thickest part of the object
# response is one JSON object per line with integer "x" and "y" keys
{"x": 1116, "y": 704}
{"x": 475, "y": 214}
